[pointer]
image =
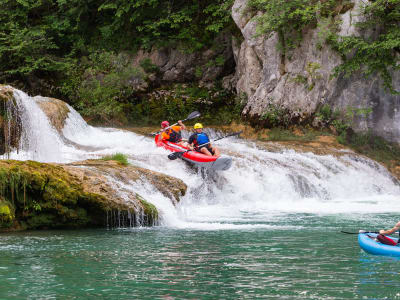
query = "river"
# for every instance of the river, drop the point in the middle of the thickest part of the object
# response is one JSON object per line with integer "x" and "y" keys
{"x": 267, "y": 228}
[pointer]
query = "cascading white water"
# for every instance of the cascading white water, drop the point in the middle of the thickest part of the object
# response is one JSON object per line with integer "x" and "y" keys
{"x": 39, "y": 141}
{"x": 260, "y": 186}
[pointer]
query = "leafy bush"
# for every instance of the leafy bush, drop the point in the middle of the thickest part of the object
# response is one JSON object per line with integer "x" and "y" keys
{"x": 275, "y": 116}
{"x": 100, "y": 87}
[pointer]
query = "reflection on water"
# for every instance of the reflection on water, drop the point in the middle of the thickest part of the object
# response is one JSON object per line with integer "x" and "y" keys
{"x": 378, "y": 277}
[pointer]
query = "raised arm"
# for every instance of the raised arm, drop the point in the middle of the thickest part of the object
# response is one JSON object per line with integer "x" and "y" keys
{"x": 390, "y": 231}
{"x": 181, "y": 124}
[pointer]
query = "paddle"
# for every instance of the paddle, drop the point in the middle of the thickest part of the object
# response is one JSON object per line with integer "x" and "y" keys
{"x": 192, "y": 115}
{"x": 361, "y": 231}
{"x": 176, "y": 155}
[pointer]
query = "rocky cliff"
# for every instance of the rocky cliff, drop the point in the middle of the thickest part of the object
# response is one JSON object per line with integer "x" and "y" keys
{"x": 298, "y": 85}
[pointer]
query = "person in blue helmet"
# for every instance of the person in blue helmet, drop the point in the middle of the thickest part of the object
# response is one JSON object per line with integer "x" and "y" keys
{"x": 199, "y": 138}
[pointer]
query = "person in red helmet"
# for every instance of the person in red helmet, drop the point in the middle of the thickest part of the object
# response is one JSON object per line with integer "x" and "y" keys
{"x": 173, "y": 133}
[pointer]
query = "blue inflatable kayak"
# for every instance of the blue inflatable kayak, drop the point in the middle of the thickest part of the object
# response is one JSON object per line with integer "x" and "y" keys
{"x": 368, "y": 243}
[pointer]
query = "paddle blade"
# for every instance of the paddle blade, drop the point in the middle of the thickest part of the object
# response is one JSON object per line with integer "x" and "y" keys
{"x": 175, "y": 155}
{"x": 237, "y": 133}
{"x": 193, "y": 115}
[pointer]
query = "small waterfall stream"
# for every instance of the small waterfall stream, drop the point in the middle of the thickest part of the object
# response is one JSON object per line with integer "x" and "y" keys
{"x": 261, "y": 185}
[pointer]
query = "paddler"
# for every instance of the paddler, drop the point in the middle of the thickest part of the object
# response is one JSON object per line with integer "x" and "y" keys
{"x": 385, "y": 240}
{"x": 198, "y": 138}
{"x": 173, "y": 134}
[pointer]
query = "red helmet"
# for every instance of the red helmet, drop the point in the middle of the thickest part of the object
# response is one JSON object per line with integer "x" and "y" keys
{"x": 164, "y": 124}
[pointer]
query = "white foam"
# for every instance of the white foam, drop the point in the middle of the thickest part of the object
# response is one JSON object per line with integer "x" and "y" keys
{"x": 260, "y": 187}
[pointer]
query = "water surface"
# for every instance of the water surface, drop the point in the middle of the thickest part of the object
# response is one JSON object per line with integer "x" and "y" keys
{"x": 302, "y": 258}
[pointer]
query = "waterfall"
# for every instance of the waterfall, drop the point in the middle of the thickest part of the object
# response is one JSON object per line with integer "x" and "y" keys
{"x": 261, "y": 185}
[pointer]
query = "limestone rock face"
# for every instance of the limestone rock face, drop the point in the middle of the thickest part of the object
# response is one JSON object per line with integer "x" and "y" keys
{"x": 299, "y": 83}
{"x": 179, "y": 66}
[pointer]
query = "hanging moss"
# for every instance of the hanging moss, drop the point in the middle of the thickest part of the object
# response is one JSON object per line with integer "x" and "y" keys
{"x": 6, "y": 213}
{"x": 47, "y": 196}
{"x": 150, "y": 211}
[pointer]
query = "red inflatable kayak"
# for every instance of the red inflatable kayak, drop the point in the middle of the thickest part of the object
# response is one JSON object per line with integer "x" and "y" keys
{"x": 199, "y": 159}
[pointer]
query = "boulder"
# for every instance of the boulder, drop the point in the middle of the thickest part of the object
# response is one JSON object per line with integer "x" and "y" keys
{"x": 83, "y": 194}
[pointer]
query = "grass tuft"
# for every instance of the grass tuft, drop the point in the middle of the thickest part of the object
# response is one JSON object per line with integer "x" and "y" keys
{"x": 119, "y": 157}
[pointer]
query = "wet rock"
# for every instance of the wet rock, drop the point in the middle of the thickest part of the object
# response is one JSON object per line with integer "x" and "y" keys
{"x": 56, "y": 110}
{"x": 89, "y": 193}
{"x": 10, "y": 121}
{"x": 94, "y": 178}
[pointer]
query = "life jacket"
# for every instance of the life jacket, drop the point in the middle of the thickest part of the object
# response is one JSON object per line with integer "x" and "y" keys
{"x": 172, "y": 135}
{"x": 385, "y": 240}
{"x": 201, "y": 138}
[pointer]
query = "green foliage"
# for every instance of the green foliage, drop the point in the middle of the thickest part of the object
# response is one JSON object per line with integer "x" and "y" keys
{"x": 374, "y": 147}
{"x": 327, "y": 115}
{"x": 312, "y": 76}
{"x": 376, "y": 53}
{"x": 372, "y": 53}
{"x": 154, "y": 22}
{"x": 101, "y": 85}
{"x": 341, "y": 121}
{"x": 46, "y": 38}
{"x": 275, "y": 116}
{"x": 29, "y": 46}
{"x": 150, "y": 211}
{"x": 6, "y": 213}
{"x": 148, "y": 66}
{"x": 119, "y": 157}
{"x": 279, "y": 134}
{"x": 289, "y": 18}
{"x": 216, "y": 105}
{"x": 198, "y": 72}
{"x": 220, "y": 61}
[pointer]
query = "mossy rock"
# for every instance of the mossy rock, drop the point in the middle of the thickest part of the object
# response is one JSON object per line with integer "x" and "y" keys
{"x": 6, "y": 214}
{"x": 47, "y": 196}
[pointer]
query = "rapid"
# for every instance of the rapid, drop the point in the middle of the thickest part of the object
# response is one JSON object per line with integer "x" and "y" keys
{"x": 261, "y": 186}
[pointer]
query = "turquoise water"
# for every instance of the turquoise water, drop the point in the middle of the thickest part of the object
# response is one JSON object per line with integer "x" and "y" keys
{"x": 303, "y": 257}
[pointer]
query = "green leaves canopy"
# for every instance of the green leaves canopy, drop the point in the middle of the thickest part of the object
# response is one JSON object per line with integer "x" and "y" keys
{"x": 42, "y": 37}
